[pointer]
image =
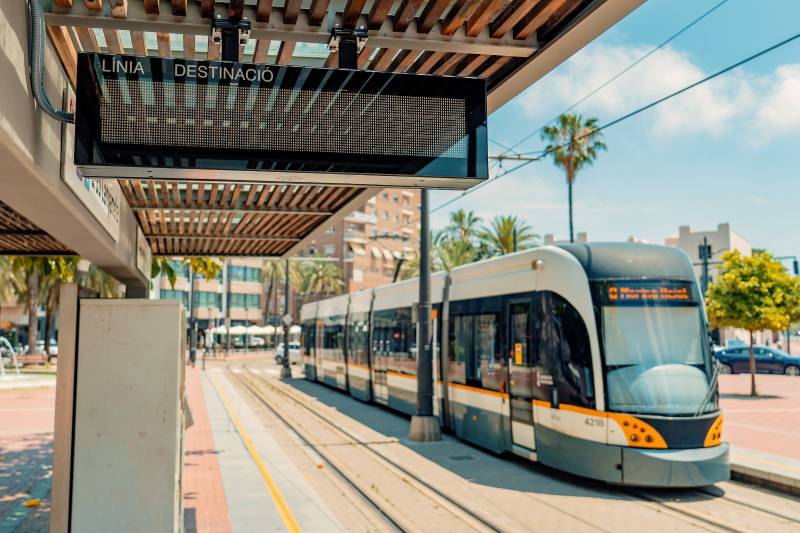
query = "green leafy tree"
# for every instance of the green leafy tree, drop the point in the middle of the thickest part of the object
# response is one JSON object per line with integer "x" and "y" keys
{"x": 206, "y": 267}
{"x": 506, "y": 234}
{"x": 34, "y": 270}
{"x": 573, "y": 144}
{"x": 753, "y": 293}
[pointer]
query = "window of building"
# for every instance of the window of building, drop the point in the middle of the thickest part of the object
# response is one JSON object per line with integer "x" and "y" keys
{"x": 406, "y": 200}
{"x": 183, "y": 296}
{"x": 395, "y": 198}
{"x": 204, "y": 299}
{"x": 386, "y": 215}
{"x": 328, "y": 250}
{"x": 243, "y": 273}
{"x": 244, "y": 301}
{"x": 331, "y": 230}
{"x": 406, "y": 219}
{"x": 358, "y": 274}
{"x": 386, "y": 196}
{"x": 396, "y": 217}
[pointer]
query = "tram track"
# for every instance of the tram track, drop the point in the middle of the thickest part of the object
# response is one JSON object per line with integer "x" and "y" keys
{"x": 393, "y": 514}
{"x": 708, "y": 519}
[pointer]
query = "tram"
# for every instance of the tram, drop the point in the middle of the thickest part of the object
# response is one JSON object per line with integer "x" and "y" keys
{"x": 589, "y": 358}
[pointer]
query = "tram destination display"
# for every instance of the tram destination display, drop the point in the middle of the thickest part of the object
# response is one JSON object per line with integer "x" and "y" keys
{"x": 153, "y": 117}
{"x": 655, "y": 292}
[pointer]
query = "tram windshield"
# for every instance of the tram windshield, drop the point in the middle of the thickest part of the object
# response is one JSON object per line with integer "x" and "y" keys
{"x": 656, "y": 354}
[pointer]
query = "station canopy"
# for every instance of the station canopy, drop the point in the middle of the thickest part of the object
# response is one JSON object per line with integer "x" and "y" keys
{"x": 510, "y": 43}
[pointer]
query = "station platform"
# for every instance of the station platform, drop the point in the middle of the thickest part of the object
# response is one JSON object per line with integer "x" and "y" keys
{"x": 246, "y": 471}
{"x": 502, "y": 492}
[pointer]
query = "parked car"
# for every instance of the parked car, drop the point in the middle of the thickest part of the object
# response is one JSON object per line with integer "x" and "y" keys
{"x": 294, "y": 353}
{"x": 256, "y": 342}
{"x": 736, "y": 360}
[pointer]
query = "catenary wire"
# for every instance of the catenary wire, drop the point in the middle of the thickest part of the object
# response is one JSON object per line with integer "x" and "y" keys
{"x": 616, "y": 121}
{"x": 618, "y": 74}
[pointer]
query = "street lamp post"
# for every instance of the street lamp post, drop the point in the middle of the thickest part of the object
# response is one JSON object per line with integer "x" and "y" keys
{"x": 424, "y": 426}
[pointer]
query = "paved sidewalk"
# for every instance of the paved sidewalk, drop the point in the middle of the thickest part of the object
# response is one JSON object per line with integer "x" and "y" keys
{"x": 26, "y": 435}
{"x": 768, "y": 423}
{"x": 205, "y": 506}
{"x": 252, "y": 502}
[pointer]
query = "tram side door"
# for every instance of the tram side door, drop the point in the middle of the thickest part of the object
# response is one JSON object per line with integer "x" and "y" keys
{"x": 520, "y": 365}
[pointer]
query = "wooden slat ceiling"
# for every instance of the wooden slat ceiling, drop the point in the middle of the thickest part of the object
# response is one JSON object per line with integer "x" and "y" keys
{"x": 181, "y": 218}
{"x": 511, "y": 22}
{"x": 230, "y": 219}
{"x": 20, "y": 236}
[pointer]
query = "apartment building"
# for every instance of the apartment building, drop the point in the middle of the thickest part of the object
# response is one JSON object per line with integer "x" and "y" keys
{"x": 236, "y": 294}
{"x": 370, "y": 242}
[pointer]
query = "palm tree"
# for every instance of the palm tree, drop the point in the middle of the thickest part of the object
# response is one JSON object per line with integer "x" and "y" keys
{"x": 32, "y": 270}
{"x": 208, "y": 267}
{"x": 448, "y": 252}
{"x": 574, "y": 144}
{"x": 320, "y": 278}
{"x": 100, "y": 282}
{"x": 507, "y": 234}
{"x": 463, "y": 225}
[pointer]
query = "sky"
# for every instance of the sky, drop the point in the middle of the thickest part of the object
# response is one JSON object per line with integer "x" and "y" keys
{"x": 726, "y": 151}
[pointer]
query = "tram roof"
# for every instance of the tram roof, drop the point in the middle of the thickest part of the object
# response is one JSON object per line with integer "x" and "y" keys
{"x": 510, "y": 43}
{"x": 625, "y": 260}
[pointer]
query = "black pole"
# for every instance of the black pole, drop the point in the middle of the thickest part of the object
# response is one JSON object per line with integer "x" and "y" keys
{"x": 192, "y": 321}
{"x": 286, "y": 372}
{"x": 424, "y": 426}
{"x": 230, "y": 46}
{"x": 706, "y": 257}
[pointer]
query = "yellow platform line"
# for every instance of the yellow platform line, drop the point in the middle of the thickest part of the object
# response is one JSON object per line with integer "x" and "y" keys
{"x": 272, "y": 487}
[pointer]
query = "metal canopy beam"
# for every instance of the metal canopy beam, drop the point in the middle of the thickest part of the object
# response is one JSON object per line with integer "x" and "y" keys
{"x": 277, "y": 29}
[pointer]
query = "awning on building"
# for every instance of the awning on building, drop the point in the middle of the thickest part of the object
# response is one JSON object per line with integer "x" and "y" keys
{"x": 376, "y": 253}
{"x": 357, "y": 249}
{"x": 387, "y": 255}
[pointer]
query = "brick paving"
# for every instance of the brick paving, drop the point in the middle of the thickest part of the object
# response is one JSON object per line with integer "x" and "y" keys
{"x": 26, "y": 436}
{"x": 768, "y": 423}
{"x": 205, "y": 506}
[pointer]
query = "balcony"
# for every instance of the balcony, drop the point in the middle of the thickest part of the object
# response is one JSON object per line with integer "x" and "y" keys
{"x": 359, "y": 217}
{"x": 357, "y": 236}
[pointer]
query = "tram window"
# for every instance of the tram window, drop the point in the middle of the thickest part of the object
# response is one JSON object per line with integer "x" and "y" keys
{"x": 485, "y": 352}
{"x": 460, "y": 347}
{"x": 333, "y": 338}
{"x": 397, "y": 334}
{"x": 357, "y": 335}
{"x": 564, "y": 351}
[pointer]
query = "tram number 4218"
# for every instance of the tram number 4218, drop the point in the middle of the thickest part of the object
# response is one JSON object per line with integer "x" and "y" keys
{"x": 591, "y": 421}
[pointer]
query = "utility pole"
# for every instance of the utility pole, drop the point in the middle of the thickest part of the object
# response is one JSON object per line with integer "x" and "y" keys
{"x": 286, "y": 371}
{"x": 424, "y": 426}
{"x": 704, "y": 251}
{"x": 192, "y": 321}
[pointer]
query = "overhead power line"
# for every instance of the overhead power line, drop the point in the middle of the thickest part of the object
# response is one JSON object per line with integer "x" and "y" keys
{"x": 616, "y": 121}
{"x": 618, "y": 74}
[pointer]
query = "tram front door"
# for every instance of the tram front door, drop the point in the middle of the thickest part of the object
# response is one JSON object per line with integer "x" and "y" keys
{"x": 520, "y": 365}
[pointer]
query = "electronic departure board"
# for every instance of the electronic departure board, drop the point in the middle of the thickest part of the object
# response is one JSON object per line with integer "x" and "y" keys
{"x": 153, "y": 117}
{"x": 654, "y": 292}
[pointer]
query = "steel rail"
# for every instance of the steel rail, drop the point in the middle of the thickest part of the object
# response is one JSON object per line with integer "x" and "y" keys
{"x": 486, "y": 521}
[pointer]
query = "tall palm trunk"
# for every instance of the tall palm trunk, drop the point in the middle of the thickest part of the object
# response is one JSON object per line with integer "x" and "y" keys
{"x": 569, "y": 200}
{"x": 33, "y": 320}
{"x": 753, "y": 391}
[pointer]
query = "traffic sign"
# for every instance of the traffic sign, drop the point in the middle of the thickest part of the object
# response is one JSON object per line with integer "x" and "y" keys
{"x": 287, "y": 319}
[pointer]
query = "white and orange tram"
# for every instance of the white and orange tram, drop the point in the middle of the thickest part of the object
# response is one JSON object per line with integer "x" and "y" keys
{"x": 589, "y": 358}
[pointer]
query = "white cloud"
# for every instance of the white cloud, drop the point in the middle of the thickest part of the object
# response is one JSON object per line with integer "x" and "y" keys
{"x": 779, "y": 111}
{"x": 707, "y": 108}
